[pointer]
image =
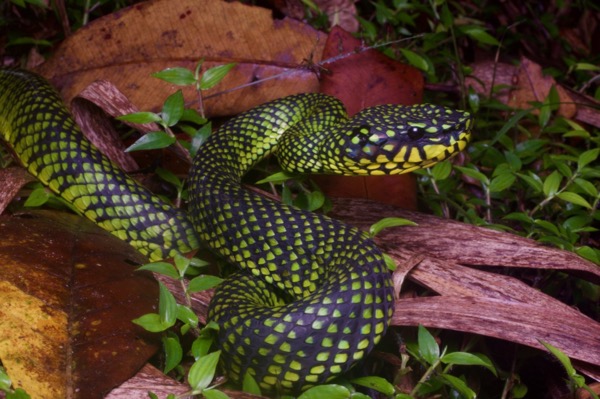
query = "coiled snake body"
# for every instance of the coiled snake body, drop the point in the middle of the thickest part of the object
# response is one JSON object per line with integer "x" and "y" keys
{"x": 314, "y": 295}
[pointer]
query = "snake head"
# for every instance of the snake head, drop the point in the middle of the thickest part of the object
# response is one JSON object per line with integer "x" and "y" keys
{"x": 393, "y": 139}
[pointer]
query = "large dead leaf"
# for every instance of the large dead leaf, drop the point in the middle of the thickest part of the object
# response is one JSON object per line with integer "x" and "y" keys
{"x": 128, "y": 46}
{"x": 69, "y": 292}
{"x": 526, "y": 83}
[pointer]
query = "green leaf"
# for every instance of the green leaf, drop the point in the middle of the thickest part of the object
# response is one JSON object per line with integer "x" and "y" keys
{"x": 5, "y": 381}
{"x": 458, "y": 385}
{"x": 532, "y": 181}
{"x": 589, "y": 253}
{"x": 140, "y": 117}
{"x": 587, "y": 186}
{"x": 441, "y": 170}
{"x": 38, "y": 197}
{"x": 187, "y": 315}
{"x": 214, "y": 394}
{"x": 587, "y": 157}
{"x": 278, "y": 177}
{"x": 469, "y": 359}
{"x": 178, "y": 76}
{"x": 428, "y": 347}
{"x": 389, "y": 222}
{"x": 203, "y": 282}
{"x": 212, "y": 76}
{"x": 249, "y": 385}
{"x": 480, "y": 35}
{"x": 329, "y": 391}
{"x": 377, "y": 383}
{"x": 152, "y": 322}
{"x": 164, "y": 268}
{"x": 173, "y": 352}
{"x": 152, "y": 141}
{"x": 202, "y": 371}
{"x": 389, "y": 262}
{"x": 167, "y": 306}
{"x": 475, "y": 174}
{"x": 415, "y": 59}
{"x": 502, "y": 182}
{"x": 562, "y": 358}
{"x": 169, "y": 177}
{"x": 551, "y": 184}
{"x": 574, "y": 198}
{"x": 191, "y": 115}
{"x": 446, "y": 16}
{"x": 173, "y": 108}
{"x": 315, "y": 200}
{"x": 519, "y": 391}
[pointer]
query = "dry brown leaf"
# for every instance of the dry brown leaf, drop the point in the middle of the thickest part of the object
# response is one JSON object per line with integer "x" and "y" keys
{"x": 127, "y": 47}
{"x": 70, "y": 291}
{"x": 533, "y": 85}
{"x": 526, "y": 83}
{"x": 13, "y": 179}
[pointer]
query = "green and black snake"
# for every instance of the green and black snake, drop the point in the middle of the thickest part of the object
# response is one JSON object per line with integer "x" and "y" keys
{"x": 313, "y": 295}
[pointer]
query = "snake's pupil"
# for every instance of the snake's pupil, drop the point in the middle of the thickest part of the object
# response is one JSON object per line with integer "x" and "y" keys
{"x": 415, "y": 133}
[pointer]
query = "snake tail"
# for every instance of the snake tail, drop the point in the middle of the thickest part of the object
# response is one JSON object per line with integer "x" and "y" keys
{"x": 41, "y": 132}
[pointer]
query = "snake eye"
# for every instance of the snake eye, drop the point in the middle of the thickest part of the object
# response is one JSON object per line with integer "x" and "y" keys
{"x": 415, "y": 132}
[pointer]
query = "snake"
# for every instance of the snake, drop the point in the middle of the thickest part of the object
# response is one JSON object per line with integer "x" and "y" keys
{"x": 312, "y": 295}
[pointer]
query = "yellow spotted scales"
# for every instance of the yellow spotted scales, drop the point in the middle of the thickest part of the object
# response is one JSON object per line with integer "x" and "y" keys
{"x": 313, "y": 295}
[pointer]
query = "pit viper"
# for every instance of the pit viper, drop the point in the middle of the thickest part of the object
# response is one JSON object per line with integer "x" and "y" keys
{"x": 313, "y": 295}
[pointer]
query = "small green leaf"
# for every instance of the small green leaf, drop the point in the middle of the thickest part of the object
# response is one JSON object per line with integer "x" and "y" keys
{"x": 589, "y": 253}
{"x": 249, "y": 385}
{"x": 415, "y": 59}
{"x": 480, "y": 35}
{"x": 152, "y": 141}
{"x": 203, "y": 370}
{"x": 502, "y": 182}
{"x": 191, "y": 115}
{"x": 532, "y": 181}
{"x": 140, "y": 117}
{"x": 38, "y": 197}
{"x": 551, "y": 184}
{"x": 519, "y": 391}
{"x": 203, "y": 282}
{"x": 186, "y": 315}
{"x": 441, "y": 170}
{"x": 214, "y": 394}
{"x": 212, "y": 76}
{"x": 173, "y": 352}
{"x": 173, "y": 108}
{"x": 167, "y": 306}
{"x": 389, "y": 262}
{"x": 389, "y": 222}
{"x": 152, "y": 322}
{"x": 178, "y": 76}
{"x": 475, "y": 174}
{"x": 428, "y": 347}
{"x": 574, "y": 198}
{"x": 329, "y": 391}
{"x": 278, "y": 177}
{"x": 315, "y": 200}
{"x": 562, "y": 358}
{"x": 587, "y": 186}
{"x": 458, "y": 385}
{"x": 164, "y": 268}
{"x": 377, "y": 383}
{"x": 169, "y": 177}
{"x": 469, "y": 359}
{"x": 587, "y": 157}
